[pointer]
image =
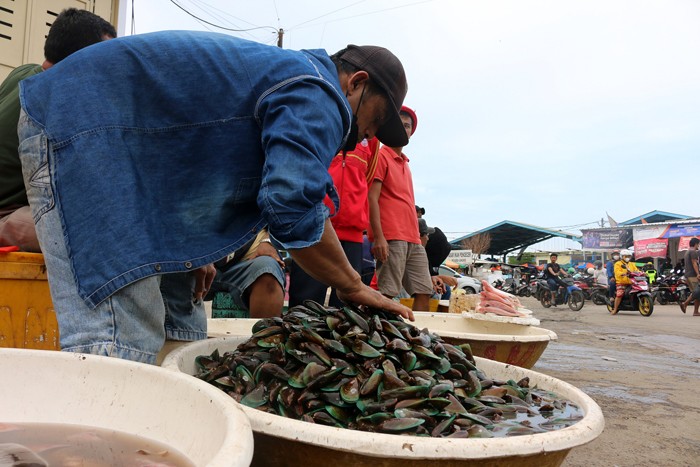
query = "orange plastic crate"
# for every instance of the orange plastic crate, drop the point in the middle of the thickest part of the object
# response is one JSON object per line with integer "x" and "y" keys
{"x": 27, "y": 317}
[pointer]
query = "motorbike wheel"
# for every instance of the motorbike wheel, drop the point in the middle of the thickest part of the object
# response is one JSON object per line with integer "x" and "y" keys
{"x": 645, "y": 306}
{"x": 576, "y": 300}
{"x": 526, "y": 292}
{"x": 598, "y": 299}
{"x": 611, "y": 305}
{"x": 546, "y": 298}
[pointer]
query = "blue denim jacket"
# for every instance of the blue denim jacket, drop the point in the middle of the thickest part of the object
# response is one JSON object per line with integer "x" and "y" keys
{"x": 169, "y": 150}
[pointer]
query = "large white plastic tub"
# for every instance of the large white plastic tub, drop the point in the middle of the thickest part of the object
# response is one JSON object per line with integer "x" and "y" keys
{"x": 144, "y": 400}
{"x": 504, "y": 342}
{"x": 516, "y": 344}
{"x": 284, "y": 441}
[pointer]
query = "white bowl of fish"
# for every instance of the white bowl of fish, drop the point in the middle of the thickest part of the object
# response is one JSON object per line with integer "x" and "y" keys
{"x": 61, "y": 408}
{"x": 429, "y": 421}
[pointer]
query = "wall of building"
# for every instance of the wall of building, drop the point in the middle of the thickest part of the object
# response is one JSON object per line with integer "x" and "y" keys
{"x": 24, "y": 25}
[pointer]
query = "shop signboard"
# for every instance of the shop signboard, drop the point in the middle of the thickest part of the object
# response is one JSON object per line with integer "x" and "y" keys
{"x": 461, "y": 257}
{"x": 652, "y": 247}
{"x": 675, "y": 231}
{"x": 684, "y": 243}
{"x": 607, "y": 239}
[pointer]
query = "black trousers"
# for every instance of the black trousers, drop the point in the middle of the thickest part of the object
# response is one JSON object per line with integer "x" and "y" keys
{"x": 304, "y": 287}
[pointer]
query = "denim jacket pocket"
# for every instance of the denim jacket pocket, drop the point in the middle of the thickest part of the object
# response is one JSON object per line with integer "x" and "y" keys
{"x": 247, "y": 190}
{"x": 33, "y": 152}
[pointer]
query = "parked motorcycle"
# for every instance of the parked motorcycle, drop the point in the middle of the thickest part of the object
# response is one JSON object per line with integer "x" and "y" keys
{"x": 523, "y": 290}
{"x": 599, "y": 294}
{"x": 670, "y": 289}
{"x": 537, "y": 286}
{"x": 637, "y": 295}
{"x": 571, "y": 295}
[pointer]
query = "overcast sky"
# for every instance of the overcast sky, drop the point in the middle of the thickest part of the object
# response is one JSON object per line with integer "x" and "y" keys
{"x": 544, "y": 112}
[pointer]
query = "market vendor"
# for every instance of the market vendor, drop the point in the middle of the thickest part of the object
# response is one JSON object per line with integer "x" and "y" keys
{"x": 181, "y": 146}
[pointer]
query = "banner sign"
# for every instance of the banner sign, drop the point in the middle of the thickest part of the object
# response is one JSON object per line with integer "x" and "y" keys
{"x": 644, "y": 233}
{"x": 675, "y": 231}
{"x": 653, "y": 247}
{"x": 684, "y": 243}
{"x": 461, "y": 257}
{"x": 606, "y": 239}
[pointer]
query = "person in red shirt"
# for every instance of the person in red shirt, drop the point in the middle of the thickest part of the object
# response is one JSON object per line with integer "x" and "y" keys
{"x": 351, "y": 171}
{"x": 401, "y": 258}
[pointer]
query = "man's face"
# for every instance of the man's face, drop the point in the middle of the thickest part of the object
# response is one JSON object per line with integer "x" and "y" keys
{"x": 553, "y": 259}
{"x": 407, "y": 125}
{"x": 371, "y": 115}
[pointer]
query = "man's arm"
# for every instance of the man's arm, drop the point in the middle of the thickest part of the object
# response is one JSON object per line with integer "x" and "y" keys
{"x": 380, "y": 247}
{"x": 326, "y": 262}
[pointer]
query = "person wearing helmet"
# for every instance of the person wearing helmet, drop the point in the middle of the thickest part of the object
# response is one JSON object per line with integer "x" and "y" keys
{"x": 610, "y": 269}
{"x": 622, "y": 269}
{"x": 394, "y": 233}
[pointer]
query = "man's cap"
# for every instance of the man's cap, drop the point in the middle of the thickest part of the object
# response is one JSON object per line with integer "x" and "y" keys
{"x": 423, "y": 228}
{"x": 387, "y": 72}
{"x": 414, "y": 117}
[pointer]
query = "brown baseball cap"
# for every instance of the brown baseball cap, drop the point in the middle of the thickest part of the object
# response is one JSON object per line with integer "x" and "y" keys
{"x": 386, "y": 71}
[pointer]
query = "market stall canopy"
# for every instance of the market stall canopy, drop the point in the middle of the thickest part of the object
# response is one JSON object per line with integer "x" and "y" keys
{"x": 654, "y": 216}
{"x": 509, "y": 236}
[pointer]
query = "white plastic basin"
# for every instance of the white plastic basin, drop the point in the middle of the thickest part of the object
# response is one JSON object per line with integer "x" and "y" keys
{"x": 504, "y": 342}
{"x": 143, "y": 400}
{"x": 284, "y": 441}
{"x": 516, "y": 344}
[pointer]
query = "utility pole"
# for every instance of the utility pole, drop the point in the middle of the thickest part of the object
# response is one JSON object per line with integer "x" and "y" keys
{"x": 280, "y": 35}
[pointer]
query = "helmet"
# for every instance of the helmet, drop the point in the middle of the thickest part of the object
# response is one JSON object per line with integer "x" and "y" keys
{"x": 590, "y": 271}
{"x": 571, "y": 270}
{"x": 598, "y": 263}
{"x": 625, "y": 253}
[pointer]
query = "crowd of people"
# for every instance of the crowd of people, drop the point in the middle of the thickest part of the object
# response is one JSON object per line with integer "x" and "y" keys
{"x": 146, "y": 194}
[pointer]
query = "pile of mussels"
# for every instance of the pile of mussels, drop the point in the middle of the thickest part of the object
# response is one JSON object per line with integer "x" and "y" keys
{"x": 372, "y": 371}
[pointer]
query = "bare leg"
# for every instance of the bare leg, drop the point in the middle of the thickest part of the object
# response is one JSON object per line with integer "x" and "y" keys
{"x": 266, "y": 297}
{"x": 618, "y": 300}
{"x": 421, "y": 302}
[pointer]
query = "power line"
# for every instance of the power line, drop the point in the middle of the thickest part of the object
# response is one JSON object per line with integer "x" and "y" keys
{"x": 219, "y": 26}
{"x": 362, "y": 14}
{"x": 327, "y": 14}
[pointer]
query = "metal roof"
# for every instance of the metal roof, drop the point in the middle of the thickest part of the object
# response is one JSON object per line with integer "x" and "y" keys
{"x": 507, "y": 236}
{"x": 654, "y": 217}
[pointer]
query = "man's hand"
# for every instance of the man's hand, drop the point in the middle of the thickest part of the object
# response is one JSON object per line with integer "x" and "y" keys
{"x": 366, "y": 296}
{"x": 266, "y": 249}
{"x": 438, "y": 285}
{"x": 204, "y": 276}
{"x": 451, "y": 281}
{"x": 380, "y": 249}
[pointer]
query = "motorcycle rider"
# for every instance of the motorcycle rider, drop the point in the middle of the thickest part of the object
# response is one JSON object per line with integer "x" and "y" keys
{"x": 622, "y": 269}
{"x": 552, "y": 273}
{"x": 610, "y": 268}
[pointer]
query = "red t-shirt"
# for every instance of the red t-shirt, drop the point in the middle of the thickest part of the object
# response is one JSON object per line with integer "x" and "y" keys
{"x": 349, "y": 173}
{"x": 397, "y": 209}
